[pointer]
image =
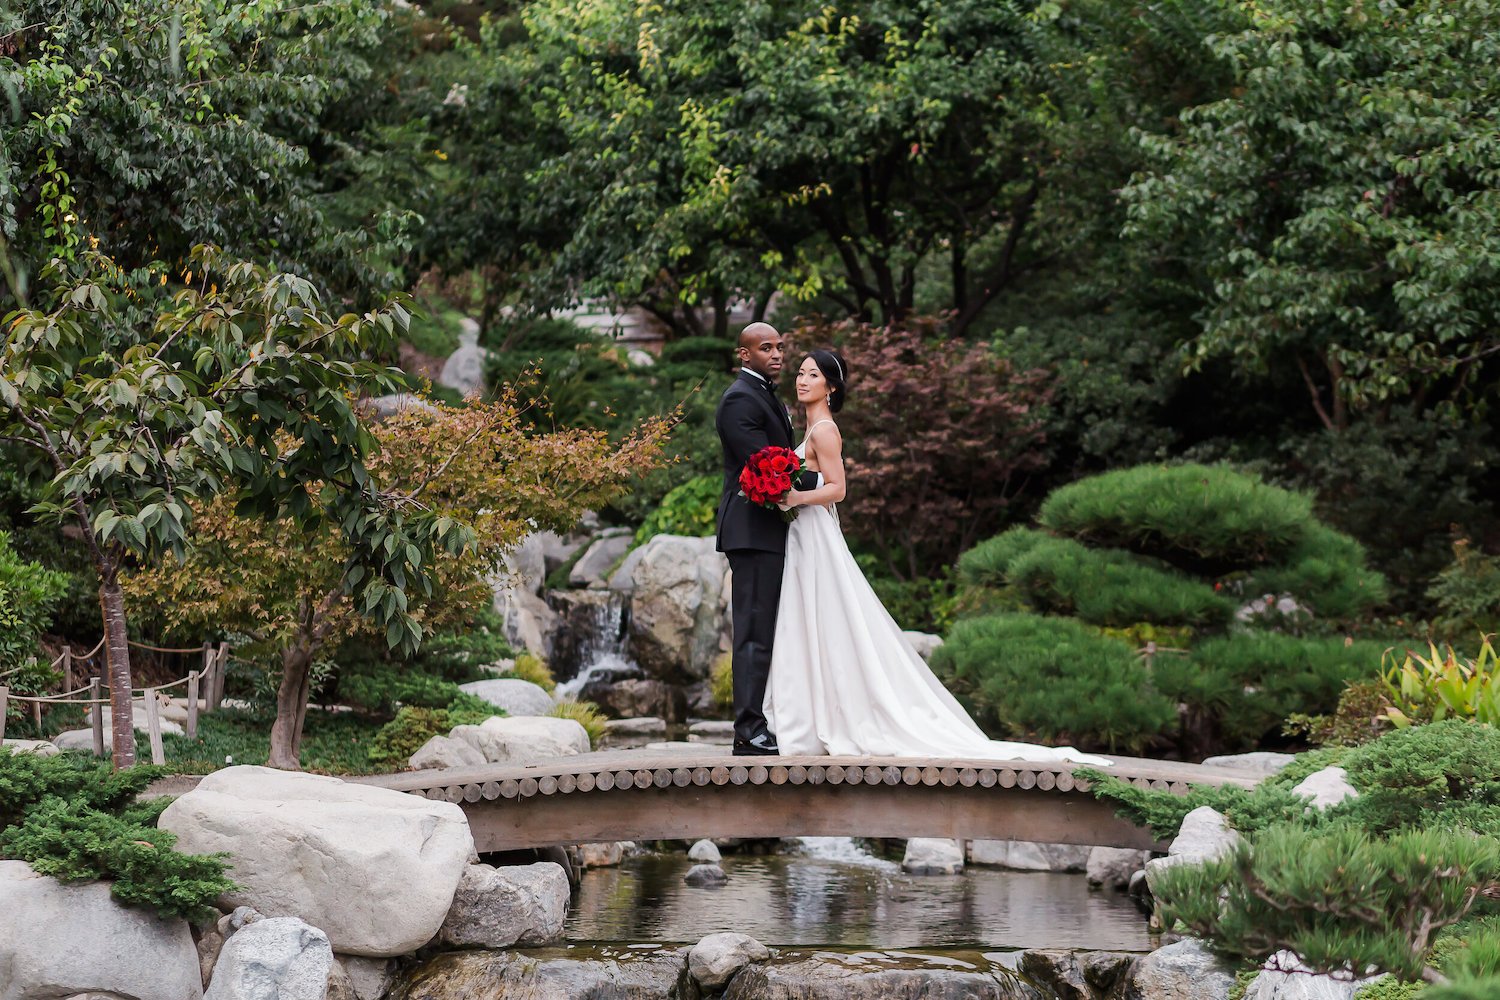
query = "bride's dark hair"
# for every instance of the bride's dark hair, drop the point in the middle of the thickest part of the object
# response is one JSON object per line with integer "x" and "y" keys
{"x": 835, "y": 373}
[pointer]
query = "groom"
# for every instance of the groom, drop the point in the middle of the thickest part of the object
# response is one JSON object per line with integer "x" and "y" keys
{"x": 750, "y": 417}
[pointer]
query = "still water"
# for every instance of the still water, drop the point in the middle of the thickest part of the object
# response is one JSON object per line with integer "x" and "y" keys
{"x": 829, "y": 892}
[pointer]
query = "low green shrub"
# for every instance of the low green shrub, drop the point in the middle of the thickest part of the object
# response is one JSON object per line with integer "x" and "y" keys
{"x": 388, "y": 686}
{"x": 1358, "y": 719}
{"x": 1247, "y": 809}
{"x": 369, "y": 675}
{"x": 75, "y": 819}
{"x": 1054, "y": 678}
{"x": 721, "y": 681}
{"x": 988, "y": 563}
{"x": 529, "y": 667}
{"x": 1467, "y": 594}
{"x": 1431, "y": 688}
{"x": 413, "y": 726}
{"x": 1113, "y": 588}
{"x": 1342, "y": 898}
{"x": 1207, "y": 520}
{"x": 689, "y": 509}
{"x": 1326, "y": 571}
{"x": 586, "y": 714}
{"x": 1243, "y": 685}
{"x": 1445, "y": 774}
{"x": 29, "y": 594}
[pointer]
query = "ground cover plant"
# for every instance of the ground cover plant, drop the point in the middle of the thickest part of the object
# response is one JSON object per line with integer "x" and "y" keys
{"x": 74, "y": 818}
{"x": 1368, "y": 883}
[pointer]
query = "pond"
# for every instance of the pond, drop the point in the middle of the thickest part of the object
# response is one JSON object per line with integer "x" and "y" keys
{"x": 832, "y": 892}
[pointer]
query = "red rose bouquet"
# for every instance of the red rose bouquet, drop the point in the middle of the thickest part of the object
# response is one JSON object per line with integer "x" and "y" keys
{"x": 768, "y": 476}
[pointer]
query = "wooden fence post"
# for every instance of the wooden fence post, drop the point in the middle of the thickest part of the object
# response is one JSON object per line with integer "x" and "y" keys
{"x": 96, "y": 716}
{"x": 153, "y": 726}
{"x": 67, "y": 668}
{"x": 36, "y": 716}
{"x": 192, "y": 695}
{"x": 207, "y": 673}
{"x": 4, "y": 697}
{"x": 221, "y": 667}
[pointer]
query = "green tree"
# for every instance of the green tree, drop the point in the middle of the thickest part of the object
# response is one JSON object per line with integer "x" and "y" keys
{"x": 138, "y": 392}
{"x": 156, "y": 125}
{"x": 705, "y": 153}
{"x": 1343, "y": 201}
{"x": 284, "y": 587}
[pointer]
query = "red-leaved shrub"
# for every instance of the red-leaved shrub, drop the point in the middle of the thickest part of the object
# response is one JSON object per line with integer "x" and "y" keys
{"x": 940, "y": 436}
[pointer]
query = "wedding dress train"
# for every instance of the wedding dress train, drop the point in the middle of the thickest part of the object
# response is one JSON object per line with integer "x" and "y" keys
{"x": 844, "y": 680}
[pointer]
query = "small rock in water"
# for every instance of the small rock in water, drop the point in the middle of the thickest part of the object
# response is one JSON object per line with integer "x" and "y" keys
{"x": 933, "y": 856}
{"x": 706, "y": 852}
{"x": 715, "y": 959}
{"x": 705, "y": 875}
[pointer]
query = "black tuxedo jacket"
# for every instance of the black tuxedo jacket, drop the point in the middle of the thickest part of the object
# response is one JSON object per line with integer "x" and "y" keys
{"x": 750, "y": 417}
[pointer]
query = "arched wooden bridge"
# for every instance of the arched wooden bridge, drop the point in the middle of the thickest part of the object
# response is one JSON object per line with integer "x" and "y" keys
{"x": 702, "y": 791}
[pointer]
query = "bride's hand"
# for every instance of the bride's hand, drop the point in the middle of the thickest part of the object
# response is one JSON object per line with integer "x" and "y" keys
{"x": 793, "y": 498}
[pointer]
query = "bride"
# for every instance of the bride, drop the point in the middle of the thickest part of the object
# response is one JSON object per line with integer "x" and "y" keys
{"x": 843, "y": 679}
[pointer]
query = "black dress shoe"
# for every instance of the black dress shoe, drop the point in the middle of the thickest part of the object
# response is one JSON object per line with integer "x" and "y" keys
{"x": 763, "y": 745}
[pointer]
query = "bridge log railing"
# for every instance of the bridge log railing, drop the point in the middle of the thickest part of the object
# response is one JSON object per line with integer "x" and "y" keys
{"x": 642, "y": 795}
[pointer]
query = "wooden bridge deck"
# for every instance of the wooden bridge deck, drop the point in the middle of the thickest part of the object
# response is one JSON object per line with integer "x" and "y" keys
{"x": 703, "y": 791}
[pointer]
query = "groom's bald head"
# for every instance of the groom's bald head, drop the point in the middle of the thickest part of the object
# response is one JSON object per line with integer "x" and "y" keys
{"x": 761, "y": 350}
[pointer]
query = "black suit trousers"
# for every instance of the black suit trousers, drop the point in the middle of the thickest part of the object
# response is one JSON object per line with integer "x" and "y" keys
{"x": 756, "y": 595}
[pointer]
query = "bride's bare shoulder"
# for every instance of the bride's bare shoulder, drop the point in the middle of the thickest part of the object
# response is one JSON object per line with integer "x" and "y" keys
{"x": 825, "y": 433}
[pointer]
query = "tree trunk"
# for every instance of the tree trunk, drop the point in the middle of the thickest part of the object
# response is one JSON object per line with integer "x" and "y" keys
{"x": 291, "y": 708}
{"x": 117, "y": 661}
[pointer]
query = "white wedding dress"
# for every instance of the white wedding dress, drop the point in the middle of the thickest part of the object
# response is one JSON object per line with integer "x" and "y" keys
{"x": 845, "y": 682}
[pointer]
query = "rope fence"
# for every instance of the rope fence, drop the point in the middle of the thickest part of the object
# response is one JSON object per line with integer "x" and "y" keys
{"x": 205, "y": 684}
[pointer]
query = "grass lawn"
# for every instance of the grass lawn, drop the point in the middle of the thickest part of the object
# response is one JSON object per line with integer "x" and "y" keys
{"x": 332, "y": 743}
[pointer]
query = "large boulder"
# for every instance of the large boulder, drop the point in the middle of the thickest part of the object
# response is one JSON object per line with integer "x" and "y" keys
{"x": 524, "y": 740}
{"x": 1284, "y": 977}
{"x": 599, "y": 558}
{"x": 513, "y": 905}
{"x": 714, "y": 960}
{"x": 364, "y": 978}
{"x": 550, "y": 974}
{"x": 933, "y": 856}
{"x": 515, "y": 696}
{"x": 281, "y": 958}
{"x": 58, "y": 940}
{"x": 834, "y": 976}
{"x": 1260, "y": 763}
{"x": 1204, "y": 835}
{"x": 1112, "y": 867}
{"x": 443, "y": 751}
{"x": 299, "y": 843}
{"x": 924, "y": 644}
{"x": 40, "y": 748}
{"x": 528, "y": 621}
{"x": 635, "y": 698}
{"x": 525, "y": 565}
{"x": 1186, "y": 970}
{"x": 676, "y": 608}
{"x": 464, "y": 369}
{"x": 1019, "y": 855}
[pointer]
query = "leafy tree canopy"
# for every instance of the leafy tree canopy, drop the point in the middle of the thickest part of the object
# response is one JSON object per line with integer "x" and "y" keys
{"x": 1342, "y": 201}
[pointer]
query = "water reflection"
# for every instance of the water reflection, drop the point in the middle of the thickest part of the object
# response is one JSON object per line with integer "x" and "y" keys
{"x": 833, "y": 895}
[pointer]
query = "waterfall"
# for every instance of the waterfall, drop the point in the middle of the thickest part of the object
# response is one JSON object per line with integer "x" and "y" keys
{"x": 597, "y": 627}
